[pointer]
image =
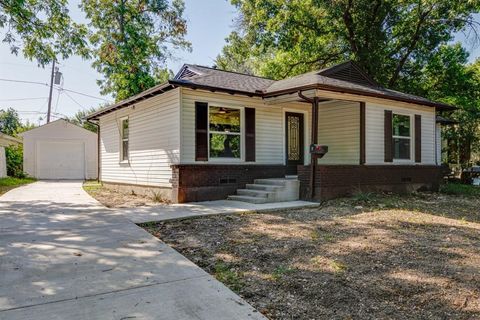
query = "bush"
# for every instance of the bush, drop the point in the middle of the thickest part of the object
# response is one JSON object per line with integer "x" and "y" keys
{"x": 459, "y": 189}
{"x": 14, "y": 159}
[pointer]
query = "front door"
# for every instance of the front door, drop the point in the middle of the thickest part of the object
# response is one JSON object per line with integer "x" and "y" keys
{"x": 294, "y": 145}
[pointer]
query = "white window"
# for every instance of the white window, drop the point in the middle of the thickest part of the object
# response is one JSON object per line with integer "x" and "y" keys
{"x": 224, "y": 125}
{"x": 402, "y": 137}
{"x": 124, "y": 133}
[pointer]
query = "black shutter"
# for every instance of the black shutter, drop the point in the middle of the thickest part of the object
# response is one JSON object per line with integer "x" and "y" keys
{"x": 418, "y": 138}
{"x": 249, "y": 134}
{"x": 388, "y": 138}
{"x": 201, "y": 131}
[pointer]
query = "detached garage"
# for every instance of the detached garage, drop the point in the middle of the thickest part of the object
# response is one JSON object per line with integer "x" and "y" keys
{"x": 60, "y": 150}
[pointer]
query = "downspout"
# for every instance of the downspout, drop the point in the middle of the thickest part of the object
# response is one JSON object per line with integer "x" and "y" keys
{"x": 314, "y": 140}
{"x": 98, "y": 148}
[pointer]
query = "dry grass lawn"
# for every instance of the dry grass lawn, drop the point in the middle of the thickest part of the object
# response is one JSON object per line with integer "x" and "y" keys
{"x": 369, "y": 257}
{"x": 115, "y": 199}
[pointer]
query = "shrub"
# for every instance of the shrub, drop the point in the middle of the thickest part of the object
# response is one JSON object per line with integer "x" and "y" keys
{"x": 460, "y": 189}
{"x": 14, "y": 159}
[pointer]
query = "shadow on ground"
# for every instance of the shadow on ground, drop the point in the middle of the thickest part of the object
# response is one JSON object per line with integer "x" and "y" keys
{"x": 375, "y": 257}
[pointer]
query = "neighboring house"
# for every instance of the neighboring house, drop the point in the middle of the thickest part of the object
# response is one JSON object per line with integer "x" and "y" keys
{"x": 208, "y": 132}
{"x": 6, "y": 141}
{"x": 60, "y": 150}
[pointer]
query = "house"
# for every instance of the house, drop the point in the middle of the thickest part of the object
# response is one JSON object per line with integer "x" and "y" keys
{"x": 6, "y": 141}
{"x": 60, "y": 150}
{"x": 208, "y": 134}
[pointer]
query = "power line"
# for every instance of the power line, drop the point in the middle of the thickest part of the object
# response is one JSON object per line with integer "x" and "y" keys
{"x": 69, "y": 96}
{"x": 86, "y": 95}
{"x": 22, "y": 99}
{"x": 24, "y": 81}
{"x": 47, "y": 85}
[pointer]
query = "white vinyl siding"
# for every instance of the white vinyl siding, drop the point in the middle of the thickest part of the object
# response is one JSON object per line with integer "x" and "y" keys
{"x": 269, "y": 126}
{"x": 154, "y": 142}
{"x": 339, "y": 129}
{"x": 374, "y": 126}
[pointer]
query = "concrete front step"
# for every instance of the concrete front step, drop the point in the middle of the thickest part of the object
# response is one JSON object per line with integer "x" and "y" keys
{"x": 256, "y": 193}
{"x": 274, "y": 182}
{"x": 249, "y": 199}
{"x": 269, "y": 190}
{"x": 265, "y": 187}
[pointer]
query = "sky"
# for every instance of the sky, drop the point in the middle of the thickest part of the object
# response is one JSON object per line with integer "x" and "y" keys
{"x": 209, "y": 23}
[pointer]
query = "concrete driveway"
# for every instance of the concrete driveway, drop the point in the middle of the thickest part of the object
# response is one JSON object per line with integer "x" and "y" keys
{"x": 64, "y": 256}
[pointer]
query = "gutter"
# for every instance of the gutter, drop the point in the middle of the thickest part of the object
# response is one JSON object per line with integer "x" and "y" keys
{"x": 440, "y": 106}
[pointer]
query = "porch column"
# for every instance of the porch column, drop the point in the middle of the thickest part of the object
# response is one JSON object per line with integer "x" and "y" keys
{"x": 314, "y": 140}
{"x": 362, "y": 133}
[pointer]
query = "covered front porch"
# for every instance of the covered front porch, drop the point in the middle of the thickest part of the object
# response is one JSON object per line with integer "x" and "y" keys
{"x": 371, "y": 145}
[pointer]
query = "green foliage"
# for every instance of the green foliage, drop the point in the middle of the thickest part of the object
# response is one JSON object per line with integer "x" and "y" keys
{"x": 458, "y": 189}
{"x": 389, "y": 39}
{"x": 281, "y": 271}
{"x": 227, "y": 275}
{"x": 80, "y": 118}
{"x": 9, "y": 121}
{"x": 14, "y": 159}
{"x": 131, "y": 41}
{"x": 42, "y": 29}
{"x": 9, "y": 183}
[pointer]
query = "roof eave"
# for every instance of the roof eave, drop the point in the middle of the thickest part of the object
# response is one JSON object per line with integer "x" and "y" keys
{"x": 438, "y": 105}
{"x": 214, "y": 89}
{"x": 127, "y": 102}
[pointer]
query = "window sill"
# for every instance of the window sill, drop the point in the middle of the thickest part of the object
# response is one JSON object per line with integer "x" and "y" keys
{"x": 124, "y": 162}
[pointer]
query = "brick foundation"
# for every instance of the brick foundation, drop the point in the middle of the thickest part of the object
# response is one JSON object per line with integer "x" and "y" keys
{"x": 340, "y": 180}
{"x": 199, "y": 182}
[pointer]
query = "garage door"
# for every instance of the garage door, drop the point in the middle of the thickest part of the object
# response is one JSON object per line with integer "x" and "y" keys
{"x": 60, "y": 160}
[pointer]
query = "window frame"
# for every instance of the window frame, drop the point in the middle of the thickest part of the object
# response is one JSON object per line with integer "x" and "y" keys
{"x": 122, "y": 140}
{"x": 410, "y": 137}
{"x": 241, "y": 134}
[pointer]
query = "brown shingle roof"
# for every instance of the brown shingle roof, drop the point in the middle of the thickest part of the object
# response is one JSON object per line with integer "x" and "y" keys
{"x": 195, "y": 75}
{"x": 346, "y": 78}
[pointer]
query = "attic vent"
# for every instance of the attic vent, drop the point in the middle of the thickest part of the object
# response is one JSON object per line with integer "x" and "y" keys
{"x": 349, "y": 72}
{"x": 185, "y": 73}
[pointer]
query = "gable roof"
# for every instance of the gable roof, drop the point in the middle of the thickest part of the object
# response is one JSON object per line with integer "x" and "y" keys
{"x": 346, "y": 77}
{"x": 195, "y": 75}
{"x": 63, "y": 121}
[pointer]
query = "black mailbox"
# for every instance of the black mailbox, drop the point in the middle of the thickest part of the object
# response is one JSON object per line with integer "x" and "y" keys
{"x": 318, "y": 150}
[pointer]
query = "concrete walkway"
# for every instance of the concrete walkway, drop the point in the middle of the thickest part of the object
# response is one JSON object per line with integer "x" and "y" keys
{"x": 64, "y": 256}
{"x": 198, "y": 209}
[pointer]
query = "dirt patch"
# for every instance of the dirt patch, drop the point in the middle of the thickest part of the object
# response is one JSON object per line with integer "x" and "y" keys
{"x": 374, "y": 257}
{"x": 116, "y": 199}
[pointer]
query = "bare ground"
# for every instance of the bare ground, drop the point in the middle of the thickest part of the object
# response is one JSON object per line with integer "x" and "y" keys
{"x": 410, "y": 257}
{"x": 111, "y": 198}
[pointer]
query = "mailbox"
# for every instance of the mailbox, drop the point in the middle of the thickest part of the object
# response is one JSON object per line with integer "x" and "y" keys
{"x": 318, "y": 150}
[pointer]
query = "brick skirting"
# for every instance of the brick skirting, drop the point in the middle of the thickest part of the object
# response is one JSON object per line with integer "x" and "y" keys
{"x": 198, "y": 182}
{"x": 340, "y": 180}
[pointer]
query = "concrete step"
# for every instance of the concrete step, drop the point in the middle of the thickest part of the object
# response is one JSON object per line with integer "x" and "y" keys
{"x": 274, "y": 182}
{"x": 266, "y": 187}
{"x": 248, "y": 199}
{"x": 256, "y": 193}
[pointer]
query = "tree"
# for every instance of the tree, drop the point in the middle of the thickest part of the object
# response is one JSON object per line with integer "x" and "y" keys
{"x": 131, "y": 41}
{"x": 80, "y": 118}
{"x": 42, "y": 29}
{"x": 9, "y": 121}
{"x": 392, "y": 40}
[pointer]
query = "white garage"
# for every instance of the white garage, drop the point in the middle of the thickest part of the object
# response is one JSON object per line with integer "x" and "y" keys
{"x": 60, "y": 150}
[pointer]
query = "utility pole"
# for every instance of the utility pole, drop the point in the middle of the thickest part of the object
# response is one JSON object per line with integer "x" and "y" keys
{"x": 50, "y": 95}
